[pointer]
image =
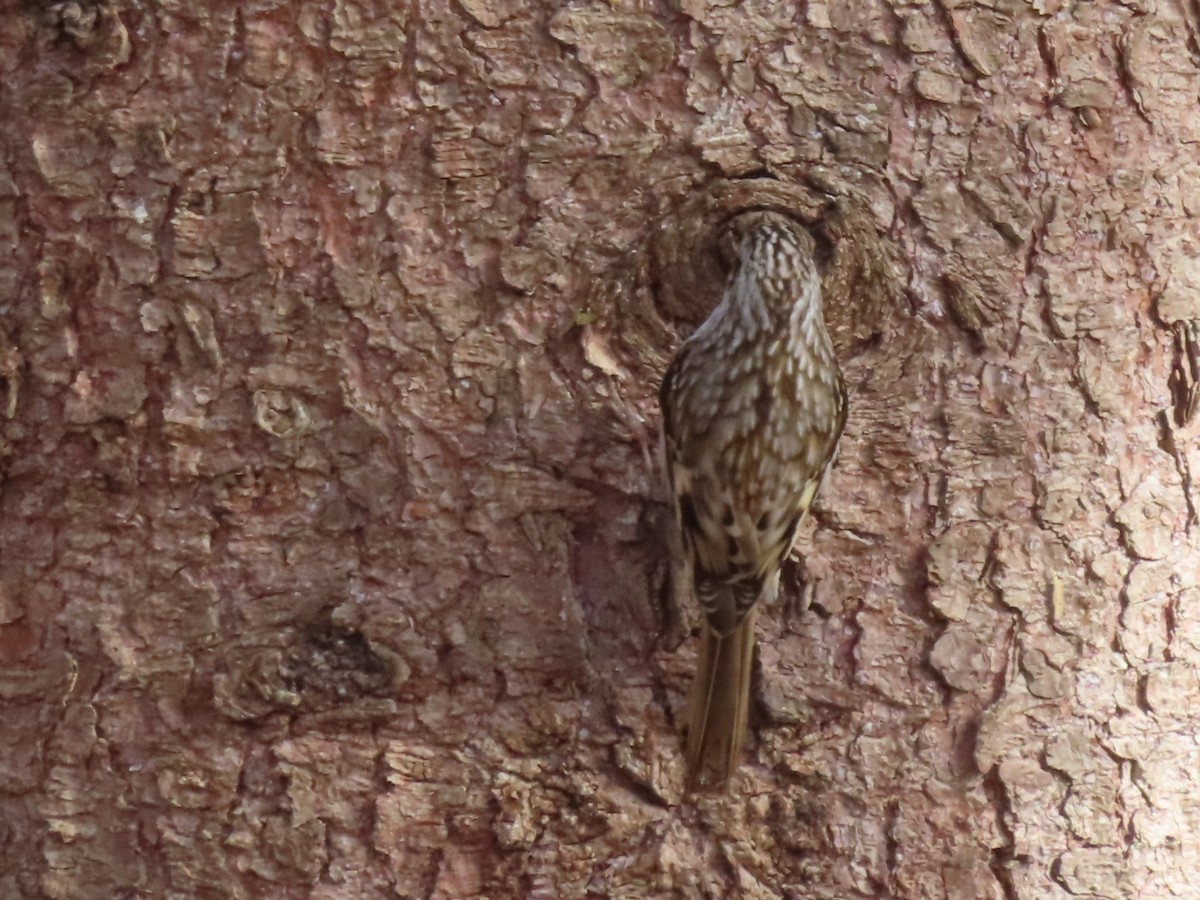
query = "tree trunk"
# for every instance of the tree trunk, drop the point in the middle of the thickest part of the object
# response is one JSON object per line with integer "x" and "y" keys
{"x": 332, "y": 541}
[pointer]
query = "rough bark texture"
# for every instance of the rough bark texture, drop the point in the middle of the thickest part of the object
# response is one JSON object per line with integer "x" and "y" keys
{"x": 332, "y": 555}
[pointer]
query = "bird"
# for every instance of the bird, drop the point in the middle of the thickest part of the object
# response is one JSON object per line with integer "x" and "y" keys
{"x": 753, "y": 406}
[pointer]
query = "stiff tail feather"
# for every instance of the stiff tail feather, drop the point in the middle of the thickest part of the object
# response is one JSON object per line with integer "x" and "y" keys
{"x": 720, "y": 704}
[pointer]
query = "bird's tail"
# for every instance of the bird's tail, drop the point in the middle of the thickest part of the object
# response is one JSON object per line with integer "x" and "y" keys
{"x": 720, "y": 704}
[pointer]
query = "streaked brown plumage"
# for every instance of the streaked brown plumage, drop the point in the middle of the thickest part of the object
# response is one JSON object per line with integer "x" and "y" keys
{"x": 753, "y": 405}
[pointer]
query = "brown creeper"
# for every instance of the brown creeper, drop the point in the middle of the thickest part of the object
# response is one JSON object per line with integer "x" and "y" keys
{"x": 753, "y": 405}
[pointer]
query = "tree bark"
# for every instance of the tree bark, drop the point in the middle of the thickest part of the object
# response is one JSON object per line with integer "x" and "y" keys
{"x": 332, "y": 543}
